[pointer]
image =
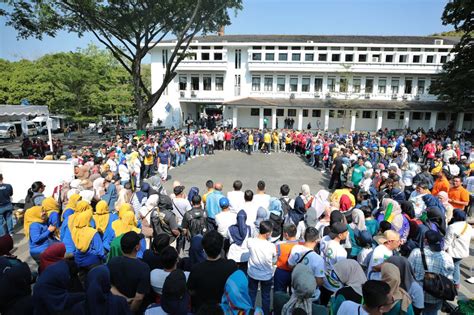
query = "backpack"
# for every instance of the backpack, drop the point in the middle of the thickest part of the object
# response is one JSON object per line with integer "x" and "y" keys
{"x": 285, "y": 205}
{"x": 160, "y": 226}
{"x": 277, "y": 222}
{"x": 197, "y": 221}
{"x": 30, "y": 202}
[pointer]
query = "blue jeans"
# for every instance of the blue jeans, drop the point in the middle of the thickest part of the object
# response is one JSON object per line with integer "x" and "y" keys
{"x": 281, "y": 280}
{"x": 432, "y": 309}
{"x": 265, "y": 287}
{"x": 6, "y": 219}
{"x": 457, "y": 270}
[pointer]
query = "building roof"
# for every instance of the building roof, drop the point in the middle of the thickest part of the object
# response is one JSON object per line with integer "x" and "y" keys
{"x": 336, "y": 39}
{"x": 23, "y": 110}
{"x": 338, "y": 104}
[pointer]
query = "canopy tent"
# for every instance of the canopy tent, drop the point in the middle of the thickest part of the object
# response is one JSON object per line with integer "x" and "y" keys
{"x": 16, "y": 112}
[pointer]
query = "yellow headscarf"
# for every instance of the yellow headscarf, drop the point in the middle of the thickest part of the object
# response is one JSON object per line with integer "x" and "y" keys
{"x": 101, "y": 216}
{"x": 32, "y": 215}
{"x": 72, "y": 202}
{"x": 50, "y": 205}
{"x": 124, "y": 208}
{"x": 125, "y": 223}
{"x": 81, "y": 206}
{"x": 82, "y": 233}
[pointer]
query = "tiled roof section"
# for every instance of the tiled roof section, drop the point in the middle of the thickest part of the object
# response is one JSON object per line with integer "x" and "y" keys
{"x": 336, "y": 39}
{"x": 338, "y": 104}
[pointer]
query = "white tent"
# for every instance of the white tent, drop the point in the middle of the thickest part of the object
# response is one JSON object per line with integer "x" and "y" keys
{"x": 16, "y": 112}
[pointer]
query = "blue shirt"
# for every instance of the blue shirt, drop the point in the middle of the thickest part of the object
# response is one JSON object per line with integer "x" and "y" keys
{"x": 94, "y": 254}
{"x": 53, "y": 219}
{"x": 109, "y": 234}
{"x": 39, "y": 238}
{"x": 164, "y": 157}
{"x": 212, "y": 203}
{"x": 65, "y": 234}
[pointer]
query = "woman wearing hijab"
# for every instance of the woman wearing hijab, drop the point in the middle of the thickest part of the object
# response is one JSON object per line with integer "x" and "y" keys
{"x": 52, "y": 210}
{"x": 302, "y": 202}
{"x": 236, "y": 299}
{"x": 127, "y": 222}
{"x": 6, "y": 246}
{"x": 68, "y": 225}
{"x": 37, "y": 231}
{"x": 192, "y": 192}
{"x": 310, "y": 219}
{"x": 275, "y": 215}
{"x": 354, "y": 228}
{"x": 434, "y": 220}
{"x": 345, "y": 203}
{"x": 140, "y": 197}
{"x": 444, "y": 199}
{"x": 196, "y": 254}
{"x": 69, "y": 209}
{"x": 402, "y": 302}
{"x": 99, "y": 300}
{"x": 54, "y": 253}
{"x": 52, "y": 292}
{"x": 110, "y": 195}
{"x": 237, "y": 235}
{"x": 392, "y": 213}
{"x": 262, "y": 214}
{"x": 408, "y": 282}
{"x": 352, "y": 277}
{"x": 15, "y": 287}
{"x": 89, "y": 248}
{"x": 102, "y": 220}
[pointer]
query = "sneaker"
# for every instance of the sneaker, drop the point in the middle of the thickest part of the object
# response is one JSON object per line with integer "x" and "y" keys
{"x": 323, "y": 171}
{"x": 171, "y": 167}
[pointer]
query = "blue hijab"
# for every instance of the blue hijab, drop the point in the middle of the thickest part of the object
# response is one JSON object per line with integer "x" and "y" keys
{"x": 143, "y": 192}
{"x": 111, "y": 196}
{"x": 192, "y": 192}
{"x": 236, "y": 299}
{"x": 99, "y": 299}
{"x": 240, "y": 230}
{"x": 196, "y": 252}
{"x": 432, "y": 201}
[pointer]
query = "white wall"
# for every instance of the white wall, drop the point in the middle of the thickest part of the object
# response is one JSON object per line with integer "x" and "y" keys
{"x": 245, "y": 120}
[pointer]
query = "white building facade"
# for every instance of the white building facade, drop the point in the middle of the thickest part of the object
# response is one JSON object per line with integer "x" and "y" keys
{"x": 360, "y": 83}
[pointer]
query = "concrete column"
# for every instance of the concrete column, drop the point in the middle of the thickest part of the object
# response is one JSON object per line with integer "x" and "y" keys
{"x": 406, "y": 120}
{"x": 274, "y": 118}
{"x": 260, "y": 119}
{"x": 433, "y": 118}
{"x": 459, "y": 121}
{"x": 326, "y": 119}
{"x": 379, "y": 119}
{"x": 300, "y": 119}
{"x": 235, "y": 114}
{"x": 353, "y": 120}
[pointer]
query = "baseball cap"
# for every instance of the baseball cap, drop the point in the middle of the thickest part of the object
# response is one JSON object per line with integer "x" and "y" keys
{"x": 336, "y": 229}
{"x": 175, "y": 299}
{"x": 223, "y": 202}
{"x": 389, "y": 235}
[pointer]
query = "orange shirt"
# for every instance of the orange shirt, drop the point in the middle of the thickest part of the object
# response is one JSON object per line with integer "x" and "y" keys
{"x": 460, "y": 194}
{"x": 283, "y": 253}
{"x": 440, "y": 185}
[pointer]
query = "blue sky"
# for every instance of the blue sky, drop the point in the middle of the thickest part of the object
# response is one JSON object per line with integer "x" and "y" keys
{"x": 324, "y": 17}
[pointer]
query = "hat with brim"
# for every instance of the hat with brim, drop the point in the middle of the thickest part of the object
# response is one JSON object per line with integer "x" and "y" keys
{"x": 387, "y": 236}
{"x": 336, "y": 229}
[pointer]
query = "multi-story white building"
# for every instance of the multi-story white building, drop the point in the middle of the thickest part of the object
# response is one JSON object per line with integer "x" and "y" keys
{"x": 348, "y": 82}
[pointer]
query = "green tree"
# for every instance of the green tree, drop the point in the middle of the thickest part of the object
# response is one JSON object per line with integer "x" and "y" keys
{"x": 455, "y": 84}
{"x": 128, "y": 28}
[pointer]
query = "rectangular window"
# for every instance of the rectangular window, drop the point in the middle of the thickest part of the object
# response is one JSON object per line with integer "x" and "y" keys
{"x": 369, "y": 85}
{"x": 191, "y": 56}
{"x": 280, "y": 84}
{"x": 343, "y": 85}
{"x": 280, "y": 112}
{"x": 417, "y": 115}
{"x": 322, "y": 48}
{"x": 402, "y": 115}
{"x": 305, "y": 113}
{"x": 282, "y": 56}
{"x": 255, "y": 112}
{"x": 269, "y": 56}
{"x": 219, "y": 83}
{"x": 183, "y": 82}
{"x": 362, "y": 58}
{"x": 340, "y": 113}
{"x": 356, "y": 85}
{"x": 421, "y": 87}
{"x": 282, "y": 47}
{"x": 305, "y": 82}
{"x": 331, "y": 85}
{"x": 408, "y": 86}
{"x": 322, "y": 57}
{"x": 295, "y": 48}
{"x": 256, "y": 56}
{"x": 255, "y": 83}
{"x": 388, "y": 58}
{"x": 391, "y": 115}
{"x": 217, "y": 56}
{"x": 349, "y": 58}
{"x": 238, "y": 58}
{"x": 257, "y": 47}
{"x": 367, "y": 114}
{"x": 318, "y": 84}
{"x": 441, "y": 116}
{"x": 335, "y": 57}
{"x": 206, "y": 83}
{"x": 237, "y": 85}
{"x": 268, "y": 84}
{"x": 293, "y": 84}
{"x": 205, "y": 56}
{"x": 309, "y": 57}
{"x": 331, "y": 113}
{"x": 430, "y": 59}
{"x": 382, "y": 86}
{"x": 376, "y": 58}
{"x": 427, "y": 115}
{"x": 309, "y": 48}
{"x": 292, "y": 112}
{"x": 416, "y": 58}
{"x": 316, "y": 113}
{"x": 267, "y": 112}
{"x": 295, "y": 57}
{"x": 444, "y": 59}
{"x": 194, "y": 83}
{"x": 403, "y": 58}
{"x": 395, "y": 83}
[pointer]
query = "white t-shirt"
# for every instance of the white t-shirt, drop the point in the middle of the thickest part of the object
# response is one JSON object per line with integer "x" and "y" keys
{"x": 351, "y": 308}
{"x": 180, "y": 207}
{"x": 225, "y": 219}
{"x": 261, "y": 200}
{"x": 262, "y": 256}
{"x": 158, "y": 277}
{"x": 236, "y": 200}
{"x": 124, "y": 173}
{"x": 238, "y": 253}
{"x": 332, "y": 252}
{"x": 381, "y": 254}
{"x": 250, "y": 209}
{"x": 312, "y": 260}
{"x": 362, "y": 256}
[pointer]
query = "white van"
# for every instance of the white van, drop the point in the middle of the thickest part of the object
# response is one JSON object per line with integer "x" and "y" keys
{"x": 7, "y": 130}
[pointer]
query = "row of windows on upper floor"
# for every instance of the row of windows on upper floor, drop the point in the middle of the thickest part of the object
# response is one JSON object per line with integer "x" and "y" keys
{"x": 333, "y": 48}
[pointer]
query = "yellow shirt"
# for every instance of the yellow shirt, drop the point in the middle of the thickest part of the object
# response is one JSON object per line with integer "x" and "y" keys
{"x": 276, "y": 139}
{"x": 204, "y": 197}
{"x": 250, "y": 139}
{"x": 267, "y": 138}
{"x": 148, "y": 160}
{"x": 287, "y": 140}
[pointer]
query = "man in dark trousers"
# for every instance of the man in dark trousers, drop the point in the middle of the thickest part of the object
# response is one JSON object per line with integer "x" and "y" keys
{"x": 335, "y": 181}
{"x": 6, "y": 207}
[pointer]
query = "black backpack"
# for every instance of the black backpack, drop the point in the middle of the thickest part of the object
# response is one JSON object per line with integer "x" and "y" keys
{"x": 197, "y": 221}
{"x": 277, "y": 222}
{"x": 160, "y": 226}
{"x": 285, "y": 205}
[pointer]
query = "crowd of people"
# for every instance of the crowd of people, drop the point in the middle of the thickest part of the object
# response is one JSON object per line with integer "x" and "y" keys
{"x": 114, "y": 241}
